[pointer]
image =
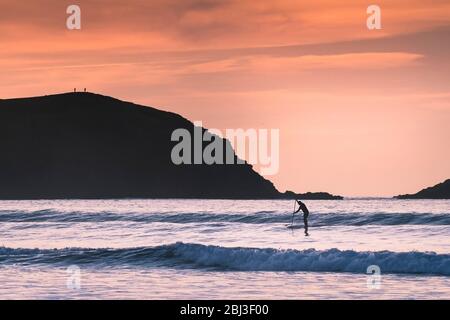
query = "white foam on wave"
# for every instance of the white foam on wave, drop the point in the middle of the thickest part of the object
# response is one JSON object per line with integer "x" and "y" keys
{"x": 332, "y": 260}
{"x": 198, "y": 256}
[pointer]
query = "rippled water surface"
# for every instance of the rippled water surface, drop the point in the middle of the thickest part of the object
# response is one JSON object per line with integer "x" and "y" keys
{"x": 206, "y": 249}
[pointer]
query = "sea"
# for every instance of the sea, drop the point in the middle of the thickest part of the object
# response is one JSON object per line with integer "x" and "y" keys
{"x": 224, "y": 249}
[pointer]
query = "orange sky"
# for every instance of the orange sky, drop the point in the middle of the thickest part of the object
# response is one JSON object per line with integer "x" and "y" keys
{"x": 360, "y": 112}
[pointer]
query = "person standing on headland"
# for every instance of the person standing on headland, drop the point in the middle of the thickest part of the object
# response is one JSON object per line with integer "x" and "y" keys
{"x": 302, "y": 206}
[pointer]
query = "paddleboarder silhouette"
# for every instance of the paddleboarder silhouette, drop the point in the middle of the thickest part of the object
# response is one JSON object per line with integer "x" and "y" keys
{"x": 304, "y": 209}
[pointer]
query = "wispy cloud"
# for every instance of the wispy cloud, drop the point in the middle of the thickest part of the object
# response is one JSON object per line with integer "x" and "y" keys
{"x": 357, "y": 102}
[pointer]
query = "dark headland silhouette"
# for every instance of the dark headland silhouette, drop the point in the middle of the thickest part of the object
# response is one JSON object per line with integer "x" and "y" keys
{"x": 439, "y": 191}
{"x": 89, "y": 146}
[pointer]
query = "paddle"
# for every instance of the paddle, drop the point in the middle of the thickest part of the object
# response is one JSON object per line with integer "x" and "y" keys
{"x": 293, "y": 213}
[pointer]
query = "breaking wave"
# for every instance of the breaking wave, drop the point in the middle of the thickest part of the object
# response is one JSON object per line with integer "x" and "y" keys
{"x": 320, "y": 219}
{"x": 217, "y": 258}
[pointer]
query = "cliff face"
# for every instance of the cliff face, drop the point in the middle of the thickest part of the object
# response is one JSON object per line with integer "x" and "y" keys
{"x": 82, "y": 145}
{"x": 439, "y": 191}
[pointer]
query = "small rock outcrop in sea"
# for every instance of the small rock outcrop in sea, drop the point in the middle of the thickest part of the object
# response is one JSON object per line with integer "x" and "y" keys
{"x": 89, "y": 146}
{"x": 439, "y": 191}
{"x": 310, "y": 196}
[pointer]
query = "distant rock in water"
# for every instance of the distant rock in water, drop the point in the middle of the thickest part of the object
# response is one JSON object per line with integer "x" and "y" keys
{"x": 88, "y": 146}
{"x": 311, "y": 196}
{"x": 439, "y": 191}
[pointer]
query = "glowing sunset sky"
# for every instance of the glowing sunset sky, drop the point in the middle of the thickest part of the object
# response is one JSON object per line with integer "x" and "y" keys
{"x": 360, "y": 112}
